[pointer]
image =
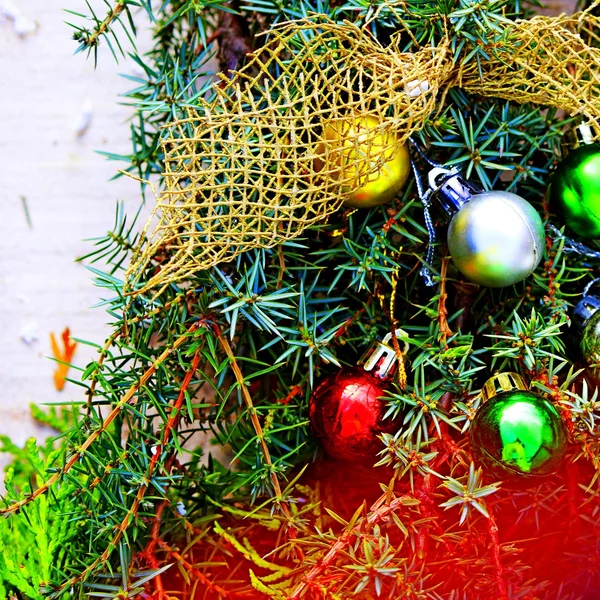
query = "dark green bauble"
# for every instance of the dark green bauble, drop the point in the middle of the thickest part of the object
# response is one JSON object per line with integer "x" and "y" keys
{"x": 518, "y": 433}
{"x": 590, "y": 345}
{"x": 574, "y": 191}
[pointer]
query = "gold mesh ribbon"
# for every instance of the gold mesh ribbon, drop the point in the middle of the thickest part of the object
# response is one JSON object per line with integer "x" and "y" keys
{"x": 543, "y": 60}
{"x": 251, "y": 170}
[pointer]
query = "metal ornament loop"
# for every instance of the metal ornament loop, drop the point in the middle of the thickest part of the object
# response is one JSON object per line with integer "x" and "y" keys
{"x": 450, "y": 189}
{"x": 587, "y": 307}
{"x": 503, "y": 382}
{"x": 383, "y": 358}
{"x": 581, "y": 135}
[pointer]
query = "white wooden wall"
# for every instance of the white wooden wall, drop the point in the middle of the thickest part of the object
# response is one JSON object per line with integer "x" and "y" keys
{"x": 44, "y": 90}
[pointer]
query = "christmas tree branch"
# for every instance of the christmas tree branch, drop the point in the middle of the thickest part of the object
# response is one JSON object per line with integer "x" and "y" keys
{"x": 112, "y": 15}
{"x": 255, "y": 421}
{"x": 75, "y": 457}
{"x": 493, "y": 531}
{"x": 98, "y": 367}
{"x": 89, "y": 40}
{"x": 91, "y": 392}
{"x": 192, "y": 570}
{"x": 445, "y": 331}
{"x": 380, "y": 512}
{"x": 157, "y": 451}
{"x": 172, "y": 425}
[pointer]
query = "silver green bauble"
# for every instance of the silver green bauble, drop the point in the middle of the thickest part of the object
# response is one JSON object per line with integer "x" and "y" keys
{"x": 574, "y": 190}
{"x": 496, "y": 239}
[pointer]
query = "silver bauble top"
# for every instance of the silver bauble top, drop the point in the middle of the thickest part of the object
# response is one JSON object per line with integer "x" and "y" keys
{"x": 496, "y": 239}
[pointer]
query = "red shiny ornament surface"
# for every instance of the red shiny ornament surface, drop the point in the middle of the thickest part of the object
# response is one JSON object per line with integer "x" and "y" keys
{"x": 346, "y": 414}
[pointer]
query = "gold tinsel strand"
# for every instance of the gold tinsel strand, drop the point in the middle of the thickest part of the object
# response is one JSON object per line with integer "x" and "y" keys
{"x": 250, "y": 169}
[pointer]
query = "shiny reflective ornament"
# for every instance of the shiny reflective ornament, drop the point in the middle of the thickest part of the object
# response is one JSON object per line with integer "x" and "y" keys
{"x": 346, "y": 410}
{"x": 585, "y": 326}
{"x": 356, "y": 148}
{"x": 495, "y": 238}
{"x": 590, "y": 346}
{"x": 517, "y": 432}
{"x": 574, "y": 191}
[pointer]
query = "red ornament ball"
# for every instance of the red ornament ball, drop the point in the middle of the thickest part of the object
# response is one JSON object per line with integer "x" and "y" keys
{"x": 346, "y": 414}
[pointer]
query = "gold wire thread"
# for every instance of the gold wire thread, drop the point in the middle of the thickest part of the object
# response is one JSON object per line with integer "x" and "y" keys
{"x": 393, "y": 297}
{"x": 401, "y": 358}
{"x": 400, "y": 354}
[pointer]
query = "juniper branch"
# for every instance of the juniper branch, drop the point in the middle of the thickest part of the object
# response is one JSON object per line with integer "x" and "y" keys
{"x": 169, "y": 429}
{"x": 126, "y": 399}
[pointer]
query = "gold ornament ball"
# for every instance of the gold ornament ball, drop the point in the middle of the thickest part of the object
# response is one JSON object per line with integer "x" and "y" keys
{"x": 355, "y": 147}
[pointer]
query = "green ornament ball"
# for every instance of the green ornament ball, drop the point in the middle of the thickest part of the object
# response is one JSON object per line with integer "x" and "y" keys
{"x": 519, "y": 433}
{"x": 574, "y": 191}
{"x": 590, "y": 345}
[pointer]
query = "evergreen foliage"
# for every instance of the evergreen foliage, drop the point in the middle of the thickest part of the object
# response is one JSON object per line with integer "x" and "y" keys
{"x": 127, "y": 491}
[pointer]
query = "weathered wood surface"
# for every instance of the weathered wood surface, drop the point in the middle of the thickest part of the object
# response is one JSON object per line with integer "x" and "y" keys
{"x": 66, "y": 187}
